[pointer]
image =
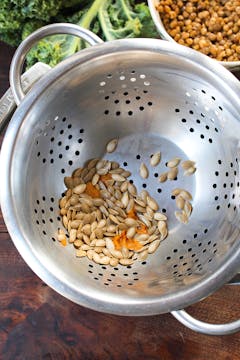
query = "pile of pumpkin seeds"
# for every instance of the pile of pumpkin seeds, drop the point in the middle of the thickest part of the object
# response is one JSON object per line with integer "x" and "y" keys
{"x": 106, "y": 219}
{"x": 96, "y": 221}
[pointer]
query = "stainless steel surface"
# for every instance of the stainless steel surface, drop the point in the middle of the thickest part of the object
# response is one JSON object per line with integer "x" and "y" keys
{"x": 205, "y": 328}
{"x": 231, "y": 65}
{"x": 27, "y": 44}
{"x": 153, "y": 95}
{"x": 7, "y": 103}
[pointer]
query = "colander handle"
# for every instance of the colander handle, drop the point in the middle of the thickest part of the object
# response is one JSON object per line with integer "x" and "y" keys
{"x": 206, "y": 328}
{"x": 26, "y": 45}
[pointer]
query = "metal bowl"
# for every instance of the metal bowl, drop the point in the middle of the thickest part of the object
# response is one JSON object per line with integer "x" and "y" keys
{"x": 231, "y": 65}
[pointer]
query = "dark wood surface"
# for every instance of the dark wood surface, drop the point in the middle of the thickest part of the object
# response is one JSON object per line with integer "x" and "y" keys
{"x": 37, "y": 323}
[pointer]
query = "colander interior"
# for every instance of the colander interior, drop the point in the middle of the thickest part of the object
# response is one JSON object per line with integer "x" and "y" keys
{"x": 150, "y": 104}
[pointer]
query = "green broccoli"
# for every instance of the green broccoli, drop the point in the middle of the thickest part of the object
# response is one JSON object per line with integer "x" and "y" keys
{"x": 109, "y": 19}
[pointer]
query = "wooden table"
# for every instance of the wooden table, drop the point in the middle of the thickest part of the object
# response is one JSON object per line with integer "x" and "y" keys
{"x": 37, "y": 323}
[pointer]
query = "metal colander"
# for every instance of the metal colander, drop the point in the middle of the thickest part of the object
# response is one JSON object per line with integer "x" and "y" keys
{"x": 153, "y": 96}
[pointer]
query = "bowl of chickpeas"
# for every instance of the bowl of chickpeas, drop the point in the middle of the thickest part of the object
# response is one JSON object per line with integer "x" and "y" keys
{"x": 211, "y": 27}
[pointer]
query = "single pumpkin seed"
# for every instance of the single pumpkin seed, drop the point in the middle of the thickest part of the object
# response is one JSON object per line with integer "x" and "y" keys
{"x": 85, "y": 247}
{"x": 72, "y": 235}
{"x": 95, "y": 179}
{"x": 144, "y": 220}
{"x": 172, "y": 174}
{"x": 131, "y": 189}
{"x": 116, "y": 253}
{"x": 155, "y": 159}
{"x": 109, "y": 244}
{"x": 188, "y": 208}
{"x": 143, "y": 171}
{"x": 180, "y": 202}
{"x": 81, "y": 253}
{"x": 125, "y": 199}
{"x": 159, "y": 216}
{"x": 79, "y": 189}
{"x": 187, "y": 164}
{"x": 185, "y": 194}
{"x": 125, "y": 252}
{"x": 143, "y": 255}
{"x": 131, "y": 232}
{"x": 163, "y": 177}
{"x": 101, "y": 224}
{"x": 130, "y": 222}
{"x": 92, "y": 163}
{"x": 140, "y": 202}
{"x": 181, "y": 216}
{"x": 144, "y": 194}
{"x": 152, "y": 203}
{"x": 86, "y": 229}
{"x": 100, "y": 242}
{"x": 124, "y": 186}
{"x": 190, "y": 171}
{"x": 68, "y": 181}
{"x": 118, "y": 194}
{"x": 113, "y": 262}
{"x": 130, "y": 205}
{"x": 112, "y": 145}
{"x": 126, "y": 173}
{"x": 118, "y": 177}
{"x": 104, "y": 260}
{"x": 78, "y": 243}
{"x": 173, "y": 162}
{"x": 77, "y": 172}
{"x": 116, "y": 171}
{"x": 90, "y": 254}
{"x": 103, "y": 210}
{"x": 65, "y": 221}
{"x": 153, "y": 246}
{"x": 114, "y": 165}
{"x": 113, "y": 211}
{"x": 126, "y": 262}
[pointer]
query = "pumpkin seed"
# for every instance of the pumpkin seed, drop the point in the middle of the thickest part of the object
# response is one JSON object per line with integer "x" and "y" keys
{"x": 143, "y": 255}
{"x": 90, "y": 254}
{"x": 118, "y": 177}
{"x": 153, "y": 246}
{"x": 113, "y": 262}
{"x": 126, "y": 262}
{"x": 140, "y": 209}
{"x": 187, "y": 164}
{"x": 112, "y": 145}
{"x": 155, "y": 159}
{"x": 114, "y": 165}
{"x": 190, "y": 171}
{"x": 143, "y": 171}
{"x": 132, "y": 189}
{"x": 81, "y": 253}
{"x": 180, "y": 202}
{"x": 185, "y": 194}
{"x": 68, "y": 181}
{"x": 125, "y": 252}
{"x": 109, "y": 244}
{"x": 78, "y": 243}
{"x": 77, "y": 172}
{"x": 159, "y": 216}
{"x": 152, "y": 203}
{"x": 95, "y": 179}
{"x": 125, "y": 199}
{"x": 181, "y": 216}
{"x": 163, "y": 177}
{"x": 131, "y": 232}
{"x": 100, "y": 242}
{"x": 79, "y": 189}
{"x": 188, "y": 208}
{"x": 130, "y": 205}
{"x": 72, "y": 235}
{"x": 172, "y": 174}
{"x": 173, "y": 163}
{"x": 144, "y": 194}
{"x": 116, "y": 253}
